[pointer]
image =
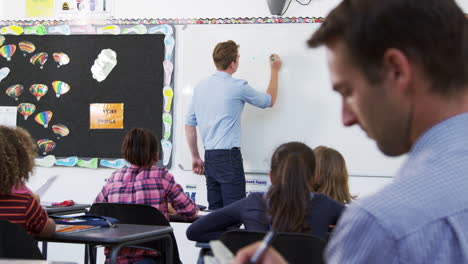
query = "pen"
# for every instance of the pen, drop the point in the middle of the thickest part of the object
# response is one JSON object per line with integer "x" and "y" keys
{"x": 272, "y": 57}
{"x": 266, "y": 242}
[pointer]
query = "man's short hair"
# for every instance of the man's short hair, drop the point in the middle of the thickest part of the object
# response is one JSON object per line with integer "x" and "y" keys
{"x": 225, "y": 53}
{"x": 141, "y": 147}
{"x": 432, "y": 33}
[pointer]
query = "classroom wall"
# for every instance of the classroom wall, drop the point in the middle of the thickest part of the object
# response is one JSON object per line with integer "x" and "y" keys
{"x": 82, "y": 185}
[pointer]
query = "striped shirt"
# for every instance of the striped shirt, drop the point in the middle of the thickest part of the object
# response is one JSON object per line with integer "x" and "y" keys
{"x": 24, "y": 210}
{"x": 422, "y": 216}
{"x": 152, "y": 186}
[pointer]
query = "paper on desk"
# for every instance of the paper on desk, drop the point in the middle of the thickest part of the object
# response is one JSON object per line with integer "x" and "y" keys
{"x": 8, "y": 116}
{"x": 44, "y": 187}
{"x": 222, "y": 255}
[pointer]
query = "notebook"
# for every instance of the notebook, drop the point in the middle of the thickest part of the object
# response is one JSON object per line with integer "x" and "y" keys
{"x": 69, "y": 229}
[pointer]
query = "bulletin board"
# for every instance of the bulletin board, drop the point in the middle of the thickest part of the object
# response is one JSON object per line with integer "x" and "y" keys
{"x": 86, "y": 112}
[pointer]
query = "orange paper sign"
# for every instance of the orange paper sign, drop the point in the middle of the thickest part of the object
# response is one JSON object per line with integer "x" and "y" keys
{"x": 106, "y": 116}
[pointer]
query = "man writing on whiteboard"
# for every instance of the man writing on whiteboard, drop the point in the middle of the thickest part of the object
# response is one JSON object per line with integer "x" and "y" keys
{"x": 216, "y": 109}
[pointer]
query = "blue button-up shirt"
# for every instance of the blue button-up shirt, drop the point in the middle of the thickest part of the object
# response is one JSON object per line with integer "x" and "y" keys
{"x": 216, "y": 109}
{"x": 422, "y": 216}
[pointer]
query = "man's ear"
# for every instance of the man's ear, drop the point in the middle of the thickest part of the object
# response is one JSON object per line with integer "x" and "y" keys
{"x": 398, "y": 69}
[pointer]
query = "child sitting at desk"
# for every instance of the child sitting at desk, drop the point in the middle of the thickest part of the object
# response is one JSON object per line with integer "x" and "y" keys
{"x": 144, "y": 183}
{"x": 288, "y": 206}
{"x": 17, "y": 152}
{"x": 331, "y": 175}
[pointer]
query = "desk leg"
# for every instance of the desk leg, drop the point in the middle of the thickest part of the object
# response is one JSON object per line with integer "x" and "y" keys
{"x": 91, "y": 249}
{"x": 44, "y": 249}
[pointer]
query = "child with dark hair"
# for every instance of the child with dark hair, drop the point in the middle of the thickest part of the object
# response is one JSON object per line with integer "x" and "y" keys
{"x": 17, "y": 152}
{"x": 290, "y": 205}
{"x": 144, "y": 183}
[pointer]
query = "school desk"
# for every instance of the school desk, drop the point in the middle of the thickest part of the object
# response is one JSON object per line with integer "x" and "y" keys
{"x": 120, "y": 236}
{"x": 66, "y": 210}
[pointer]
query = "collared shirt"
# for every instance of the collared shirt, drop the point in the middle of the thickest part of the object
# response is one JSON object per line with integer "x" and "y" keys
{"x": 152, "y": 186}
{"x": 24, "y": 210}
{"x": 216, "y": 109}
{"x": 422, "y": 216}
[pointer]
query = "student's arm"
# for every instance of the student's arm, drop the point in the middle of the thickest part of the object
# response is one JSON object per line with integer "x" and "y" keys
{"x": 49, "y": 228}
{"x": 271, "y": 256}
{"x": 212, "y": 225}
{"x": 275, "y": 66}
{"x": 37, "y": 220}
{"x": 197, "y": 162}
{"x": 181, "y": 203}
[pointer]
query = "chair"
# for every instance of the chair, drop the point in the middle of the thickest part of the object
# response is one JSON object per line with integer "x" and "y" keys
{"x": 138, "y": 214}
{"x": 296, "y": 248}
{"x": 16, "y": 243}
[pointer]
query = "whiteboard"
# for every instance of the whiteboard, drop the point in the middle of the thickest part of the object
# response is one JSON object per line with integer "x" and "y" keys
{"x": 306, "y": 109}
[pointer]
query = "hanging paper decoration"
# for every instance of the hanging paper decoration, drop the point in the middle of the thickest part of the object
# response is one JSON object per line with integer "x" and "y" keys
{"x": 111, "y": 29}
{"x": 43, "y": 118}
{"x": 15, "y": 91}
{"x": 13, "y": 30}
{"x": 38, "y": 90}
{"x": 167, "y": 150}
{"x": 39, "y": 59}
{"x": 168, "y": 95}
{"x": 26, "y": 47}
{"x": 61, "y": 58}
{"x": 168, "y": 68}
{"x": 60, "y": 130}
{"x": 167, "y": 120}
{"x": 60, "y": 88}
{"x": 45, "y": 145}
{"x": 2, "y": 40}
{"x": 47, "y": 161}
{"x": 26, "y": 109}
{"x": 7, "y": 51}
{"x": 69, "y": 162}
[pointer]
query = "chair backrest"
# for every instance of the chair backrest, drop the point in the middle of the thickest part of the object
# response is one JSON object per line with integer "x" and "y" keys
{"x": 16, "y": 243}
{"x": 294, "y": 247}
{"x": 137, "y": 214}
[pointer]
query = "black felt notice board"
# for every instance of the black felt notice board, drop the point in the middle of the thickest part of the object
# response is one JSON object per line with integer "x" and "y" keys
{"x": 136, "y": 81}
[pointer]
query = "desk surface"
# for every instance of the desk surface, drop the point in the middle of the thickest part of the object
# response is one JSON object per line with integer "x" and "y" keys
{"x": 108, "y": 235}
{"x": 76, "y": 208}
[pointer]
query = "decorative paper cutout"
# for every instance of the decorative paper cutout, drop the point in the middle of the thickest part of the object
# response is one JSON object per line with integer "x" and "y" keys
{"x": 39, "y": 59}
{"x": 104, "y": 64}
{"x": 60, "y": 130}
{"x": 138, "y": 29}
{"x": 60, "y": 88}
{"x": 62, "y": 29}
{"x": 26, "y": 109}
{"x": 38, "y": 90}
{"x": 46, "y": 145}
{"x": 69, "y": 162}
{"x": 26, "y": 47}
{"x": 12, "y": 30}
{"x": 114, "y": 164}
{"x": 111, "y": 29}
{"x": 4, "y": 73}
{"x": 163, "y": 29}
{"x": 7, "y": 51}
{"x": 15, "y": 91}
{"x": 86, "y": 29}
{"x": 167, "y": 149}
{"x": 91, "y": 164}
{"x": 47, "y": 161}
{"x": 43, "y": 118}
{"x": 168, "y": 95}
{"x": 61, "y": 58}
{"x": 168, "y": 68}
{"x": 169, "y": 43}
{"x": 36, "y": 30}
{"x": 167, "y": 120}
